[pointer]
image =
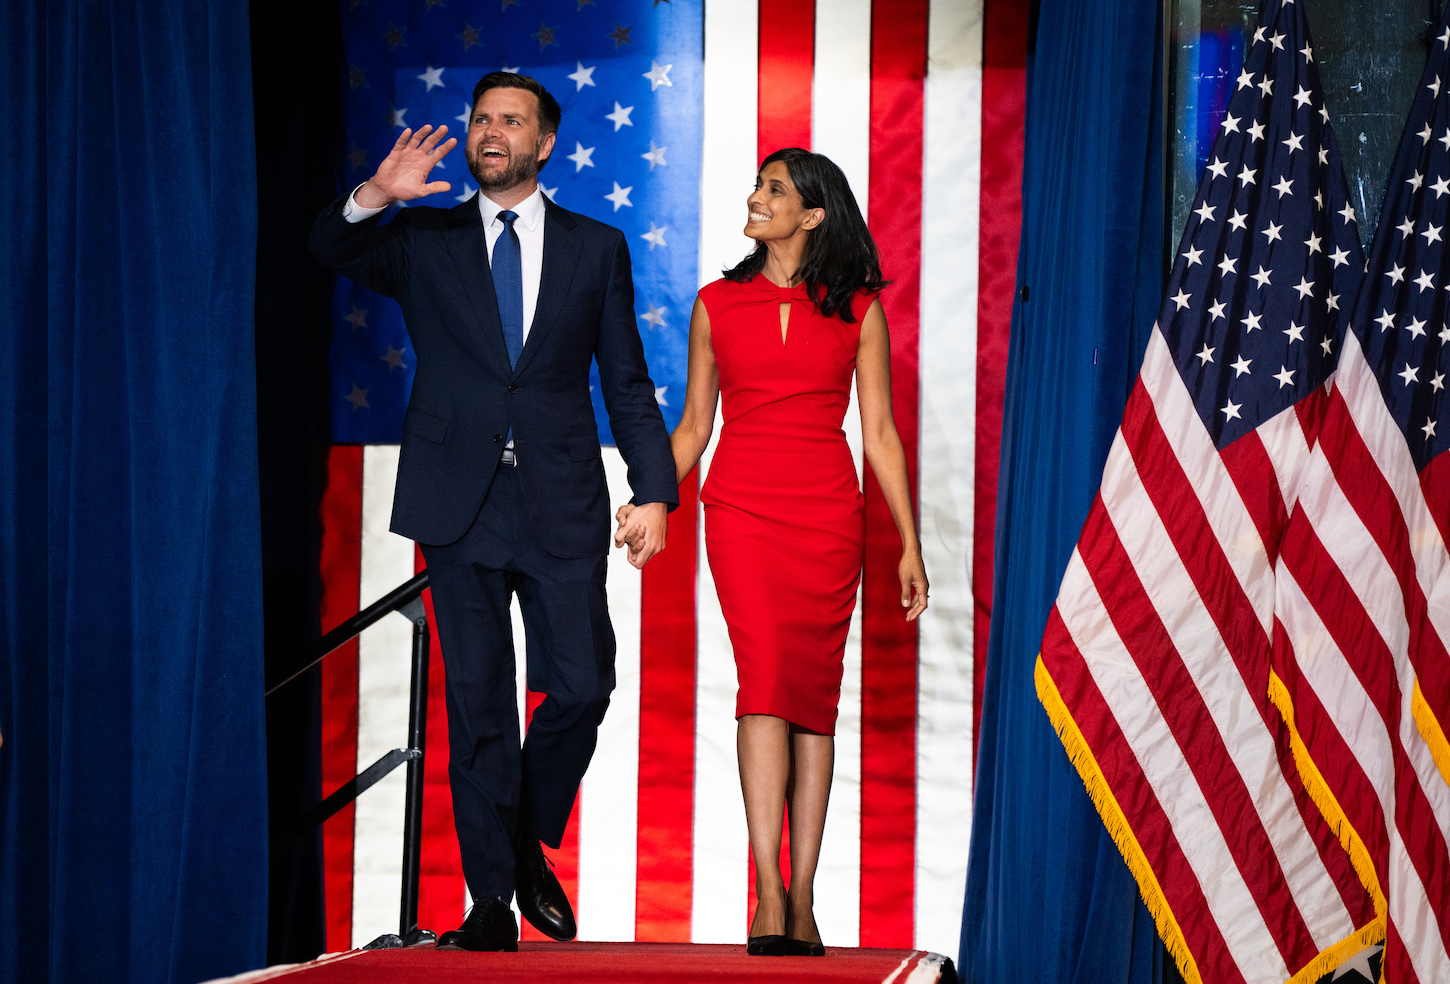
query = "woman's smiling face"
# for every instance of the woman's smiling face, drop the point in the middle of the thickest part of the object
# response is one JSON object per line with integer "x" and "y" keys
{"x": 775, "y": 210}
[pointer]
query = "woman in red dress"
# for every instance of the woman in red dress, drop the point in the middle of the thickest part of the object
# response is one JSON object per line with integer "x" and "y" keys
{"x": 778, "y": 340}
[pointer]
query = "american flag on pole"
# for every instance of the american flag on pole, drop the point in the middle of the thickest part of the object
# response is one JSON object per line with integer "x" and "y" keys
{"x": 1156, "y": 661}
{"x": 1361, "y": 669}
{"x": 668, "y": 108}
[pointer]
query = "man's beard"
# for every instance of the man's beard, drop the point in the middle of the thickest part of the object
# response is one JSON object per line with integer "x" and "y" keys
{"x": 521, "y": 168}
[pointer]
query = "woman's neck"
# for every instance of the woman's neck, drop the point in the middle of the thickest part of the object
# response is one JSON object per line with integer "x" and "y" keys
{"x": 783, "y": 262}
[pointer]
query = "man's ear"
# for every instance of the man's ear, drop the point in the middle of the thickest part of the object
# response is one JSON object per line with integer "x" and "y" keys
{"x": 546, "y": 146}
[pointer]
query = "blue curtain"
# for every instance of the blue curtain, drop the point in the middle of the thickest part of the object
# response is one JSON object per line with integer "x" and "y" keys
{"x": 133, "y": 844}
{"x": 1049, "y": 898}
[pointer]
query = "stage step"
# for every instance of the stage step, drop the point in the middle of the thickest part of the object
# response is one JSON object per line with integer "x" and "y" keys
{"x": 611, "y": 963}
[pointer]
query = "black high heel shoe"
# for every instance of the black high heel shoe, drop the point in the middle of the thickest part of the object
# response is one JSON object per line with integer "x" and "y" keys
{"x": 774, "y": 945}
{"x": 800, "y": 948}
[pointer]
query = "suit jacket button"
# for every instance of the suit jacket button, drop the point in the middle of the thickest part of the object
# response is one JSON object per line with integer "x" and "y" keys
{"x": 497, "y": 438}
{"x": 513, "y": 387}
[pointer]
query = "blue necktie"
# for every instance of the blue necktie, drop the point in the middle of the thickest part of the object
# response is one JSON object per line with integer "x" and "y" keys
{"x": 508, "y": 282}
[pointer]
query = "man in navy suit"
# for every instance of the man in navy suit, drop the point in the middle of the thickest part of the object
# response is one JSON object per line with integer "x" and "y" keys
{"x": 507, "y": 298}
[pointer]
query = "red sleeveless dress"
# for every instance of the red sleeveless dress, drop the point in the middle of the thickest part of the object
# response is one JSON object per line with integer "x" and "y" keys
{"x": 784, "y": 515}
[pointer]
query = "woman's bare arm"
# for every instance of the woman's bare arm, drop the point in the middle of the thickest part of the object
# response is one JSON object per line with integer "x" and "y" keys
{"x": 697, "y": 421}
{"x": 885, "y": 453}
{"x": 702, "y": 394}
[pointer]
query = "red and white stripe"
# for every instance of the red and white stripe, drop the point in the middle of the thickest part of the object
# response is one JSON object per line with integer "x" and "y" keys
{"x": 1360, "y": 558}
{"x": 895, "y": 92}
{"x": 1155, "y": 667}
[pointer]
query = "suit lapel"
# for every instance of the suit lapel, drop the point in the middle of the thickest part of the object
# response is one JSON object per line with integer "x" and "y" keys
{"x": 469, "y": 253}
{"x": 561, "y": 258}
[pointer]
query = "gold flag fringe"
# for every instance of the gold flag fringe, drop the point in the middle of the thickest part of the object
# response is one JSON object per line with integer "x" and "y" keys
{"x": 1117, "y": 824}
{"x": 1325, "y": 800}
{"x": 1118, "y": 827}
{"x": 1329, "y": 959}
{"x": 1431, "y": 731}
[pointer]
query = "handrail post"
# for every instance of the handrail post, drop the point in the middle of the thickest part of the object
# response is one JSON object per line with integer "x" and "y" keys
{"x": 406, "y": 599}
{"x": 413, "y": 804}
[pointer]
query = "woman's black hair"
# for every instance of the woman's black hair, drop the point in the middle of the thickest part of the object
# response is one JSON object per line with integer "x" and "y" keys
{"x": 840, "y": 256}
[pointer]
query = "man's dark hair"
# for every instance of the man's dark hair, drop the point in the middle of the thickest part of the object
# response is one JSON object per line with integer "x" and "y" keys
{"x": 549, "y": 112}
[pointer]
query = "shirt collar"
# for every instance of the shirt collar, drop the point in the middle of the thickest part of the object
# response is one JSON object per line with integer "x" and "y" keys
{"x": 530, "y": 211}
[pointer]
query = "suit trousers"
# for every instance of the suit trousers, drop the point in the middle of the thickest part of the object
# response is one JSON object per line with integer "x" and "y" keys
{"x": 504, "y": 792}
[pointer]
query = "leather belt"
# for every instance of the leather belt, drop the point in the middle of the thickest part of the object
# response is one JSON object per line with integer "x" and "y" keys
{"x": 509, "y": 459}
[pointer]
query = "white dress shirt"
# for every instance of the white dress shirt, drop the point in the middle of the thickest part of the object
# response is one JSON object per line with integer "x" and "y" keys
{"x": 530, "y": 229}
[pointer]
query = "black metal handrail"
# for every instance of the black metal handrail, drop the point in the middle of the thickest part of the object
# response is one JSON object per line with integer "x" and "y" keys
{"x": 393, "y": 601}
{"x": 407, "y": 600}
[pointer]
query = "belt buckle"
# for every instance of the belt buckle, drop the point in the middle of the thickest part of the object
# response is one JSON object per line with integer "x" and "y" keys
{"x": 510, "y": 459}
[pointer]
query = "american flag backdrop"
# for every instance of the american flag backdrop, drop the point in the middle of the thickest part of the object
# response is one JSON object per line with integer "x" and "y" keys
{"x": 1155, "y": 667}
{"x": 668, "y": 108}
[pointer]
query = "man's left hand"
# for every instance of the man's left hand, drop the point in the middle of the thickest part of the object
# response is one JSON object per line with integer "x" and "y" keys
{"x": 643, "y": 529}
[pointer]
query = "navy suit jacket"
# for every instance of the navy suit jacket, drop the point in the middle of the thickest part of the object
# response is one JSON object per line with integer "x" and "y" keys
{"x": 466, "y": 398}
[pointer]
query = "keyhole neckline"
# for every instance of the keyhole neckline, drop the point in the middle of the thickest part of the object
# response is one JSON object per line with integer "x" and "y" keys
{"x": 765, "y": 283}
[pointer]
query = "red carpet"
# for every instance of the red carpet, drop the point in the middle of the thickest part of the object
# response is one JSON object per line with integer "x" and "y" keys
{"x": 611, "y": 963}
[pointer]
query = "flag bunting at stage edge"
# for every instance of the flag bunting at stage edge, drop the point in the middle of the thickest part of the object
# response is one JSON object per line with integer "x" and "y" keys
{"x": 1155, "y": 665}
{"x": 1362, "y": 581}
{"x": 667, "y": 110}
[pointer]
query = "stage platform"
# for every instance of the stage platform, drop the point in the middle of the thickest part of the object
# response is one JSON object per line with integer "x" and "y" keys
{"x": 610, "y": 963}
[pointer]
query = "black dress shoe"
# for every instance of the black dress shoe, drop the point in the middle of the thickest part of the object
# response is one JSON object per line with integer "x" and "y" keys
{"x": 489, "y": 925}
{"x": 804, "y": 948}
{"x": 766, "y": 946}
{"x": 541, "y": 898}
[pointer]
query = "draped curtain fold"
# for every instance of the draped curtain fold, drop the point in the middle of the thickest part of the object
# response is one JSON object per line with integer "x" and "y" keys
{"x": 133, "y": 845}
{"x": 1048, "y": 897}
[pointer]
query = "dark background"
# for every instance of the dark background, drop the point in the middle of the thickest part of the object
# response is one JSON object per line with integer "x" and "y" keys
{"x": 296, "y": 78}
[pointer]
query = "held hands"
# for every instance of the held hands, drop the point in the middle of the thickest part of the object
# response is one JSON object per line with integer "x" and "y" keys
{"x": 403, "y": 174}
{"x": 643, "y": 528}
{"x": 913, "y": 584}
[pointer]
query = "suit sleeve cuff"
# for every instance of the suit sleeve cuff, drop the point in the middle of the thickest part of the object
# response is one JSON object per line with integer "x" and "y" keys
{"x": 670, "y": 506}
